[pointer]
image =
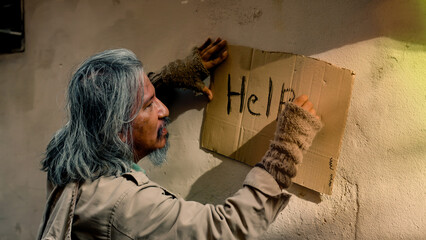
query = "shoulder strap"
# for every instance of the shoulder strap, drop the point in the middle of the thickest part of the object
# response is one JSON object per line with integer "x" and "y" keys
{"x": 71, "y": 211}
{"x": 59, "y": 213}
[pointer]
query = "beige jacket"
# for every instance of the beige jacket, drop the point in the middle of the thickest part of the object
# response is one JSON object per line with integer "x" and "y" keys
{"x": 133, "y": 207}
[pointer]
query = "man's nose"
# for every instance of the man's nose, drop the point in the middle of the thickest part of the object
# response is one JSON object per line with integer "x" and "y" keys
{"x": 163, "y": 111}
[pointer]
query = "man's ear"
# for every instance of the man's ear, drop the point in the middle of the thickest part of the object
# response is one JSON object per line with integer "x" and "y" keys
{"x": 122, "y": 137}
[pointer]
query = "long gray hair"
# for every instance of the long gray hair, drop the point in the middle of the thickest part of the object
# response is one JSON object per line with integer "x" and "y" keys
{"x": 101, "y": 105}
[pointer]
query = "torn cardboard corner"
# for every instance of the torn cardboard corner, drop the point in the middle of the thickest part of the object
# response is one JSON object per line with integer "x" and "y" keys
{"x": 250, "y": 88}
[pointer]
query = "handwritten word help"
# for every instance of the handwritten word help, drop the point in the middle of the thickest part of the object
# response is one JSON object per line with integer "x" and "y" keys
{"x": 253, "y": 98}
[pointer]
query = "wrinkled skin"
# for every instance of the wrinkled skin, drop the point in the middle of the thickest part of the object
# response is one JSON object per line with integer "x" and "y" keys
{"x": 149, "y": 120}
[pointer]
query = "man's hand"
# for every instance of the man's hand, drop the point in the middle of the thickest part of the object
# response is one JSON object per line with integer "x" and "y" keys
{"x": 303, "y": 102}
{"x": 212, "y": 54}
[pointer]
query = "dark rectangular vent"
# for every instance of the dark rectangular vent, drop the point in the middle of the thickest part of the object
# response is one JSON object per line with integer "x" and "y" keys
{"x": 12, "y": 34}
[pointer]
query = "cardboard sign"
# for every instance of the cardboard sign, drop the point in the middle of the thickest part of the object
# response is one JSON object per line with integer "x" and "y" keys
{"x": 250, "y": 88}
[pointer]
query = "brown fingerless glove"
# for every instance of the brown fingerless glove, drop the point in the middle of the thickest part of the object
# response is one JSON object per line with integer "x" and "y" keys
{"x": 186, "y": 73}
{"x": 296, "y": 128}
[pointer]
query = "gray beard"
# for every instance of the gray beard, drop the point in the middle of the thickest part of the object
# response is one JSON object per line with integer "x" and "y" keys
{"x": 158, "y": 157}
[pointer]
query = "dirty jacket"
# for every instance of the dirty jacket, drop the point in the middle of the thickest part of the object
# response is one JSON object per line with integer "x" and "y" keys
{"x": 133, "y": 207}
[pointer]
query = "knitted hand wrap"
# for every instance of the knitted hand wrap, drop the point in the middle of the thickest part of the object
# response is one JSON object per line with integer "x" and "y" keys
{"x": 296, "y": 128}
{"x": 186, "y": 73}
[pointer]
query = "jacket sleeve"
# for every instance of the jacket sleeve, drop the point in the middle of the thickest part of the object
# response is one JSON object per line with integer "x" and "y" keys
{"x": 151, "y": 212}
{"x": 184, "y": 73}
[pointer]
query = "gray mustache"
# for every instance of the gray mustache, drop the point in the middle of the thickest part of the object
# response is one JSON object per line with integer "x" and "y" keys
{"x": 160, "y": 130}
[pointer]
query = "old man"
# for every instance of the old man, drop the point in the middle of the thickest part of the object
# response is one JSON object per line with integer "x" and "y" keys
{"x": 96, "y": 189}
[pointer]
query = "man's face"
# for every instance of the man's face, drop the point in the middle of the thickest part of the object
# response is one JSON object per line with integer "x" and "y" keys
{"x": 149, "y": 131}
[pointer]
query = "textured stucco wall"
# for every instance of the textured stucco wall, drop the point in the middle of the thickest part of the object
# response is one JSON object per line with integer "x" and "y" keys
{"x": 380, "y": 188}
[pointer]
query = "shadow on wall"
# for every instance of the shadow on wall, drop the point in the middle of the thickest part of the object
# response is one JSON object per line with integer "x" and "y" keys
{"x": 223, "y": 181}
{"x": 181, "y": 100}
{"x": 218, "y": 183}
{"x": 318, "y": 26}
{"x": 328, "y": 25}
{"x": 311, "y": 27}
